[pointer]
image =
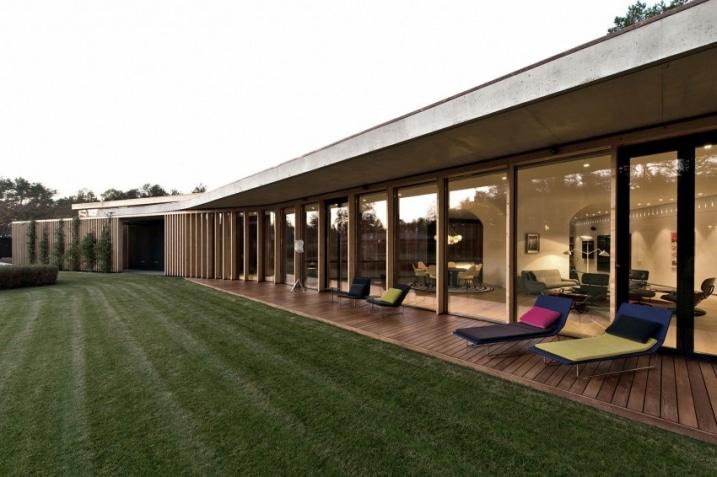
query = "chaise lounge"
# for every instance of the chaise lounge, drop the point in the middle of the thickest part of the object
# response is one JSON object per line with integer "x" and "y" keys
{"x": 638, "y": 330}
{"x": 546, "y": 318}
{"x": 392, "y": 298}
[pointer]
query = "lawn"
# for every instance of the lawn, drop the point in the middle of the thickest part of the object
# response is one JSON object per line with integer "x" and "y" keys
{"x": 126, "y": 374}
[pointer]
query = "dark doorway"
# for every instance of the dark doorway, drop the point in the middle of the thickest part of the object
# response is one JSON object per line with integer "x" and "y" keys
{"x": 145, "y": 245}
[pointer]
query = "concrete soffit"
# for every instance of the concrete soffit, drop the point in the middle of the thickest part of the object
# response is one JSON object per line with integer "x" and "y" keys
{"x": 575, "y": 96}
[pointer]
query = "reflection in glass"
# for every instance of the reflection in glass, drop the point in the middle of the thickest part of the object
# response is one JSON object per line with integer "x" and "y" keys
{"x": 289, "y": 225}
{"x": 337, "y": 244}
{"x": 477, "y": 262}
{"x": 372, "y": 240}
{"x": 416, "y": 243}
{"x": 311, "y": 246}
{"x": 269, "y": 243}
{"x": 568, "y": 205}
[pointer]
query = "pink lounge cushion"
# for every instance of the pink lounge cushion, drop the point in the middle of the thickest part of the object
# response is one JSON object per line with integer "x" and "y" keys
{"x": 540, "y": 317}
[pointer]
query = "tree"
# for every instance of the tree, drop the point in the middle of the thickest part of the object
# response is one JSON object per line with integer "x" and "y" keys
{"x": 88, "y": 251}
{"x": 32, "y": 241}
{"x": 103, "y": 248}
{"x": 199, "y": 189}
{"x": 74, "y": 252}
{"x": 45, "y": 247}
{"x": 640, "y": 11}
{"x": 58, "y": 251}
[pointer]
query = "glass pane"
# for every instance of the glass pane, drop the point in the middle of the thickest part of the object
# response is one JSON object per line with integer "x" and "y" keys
{"x": 372, "y": 240}
{"x": 563, "y": 215}
{"x": 477, "y": 246}
{"x": 416, "y": 244}
{"x": 240, "y": 244}
{"x": 311, "y": 246}
{"x": 653, "y": 228}
{"x": 253, "y": 239}
{"x": 337, "y": 246}
{"x": 288, "y": 234}
{"x": 705, "y": 249}
{"x": 269, "y": 243}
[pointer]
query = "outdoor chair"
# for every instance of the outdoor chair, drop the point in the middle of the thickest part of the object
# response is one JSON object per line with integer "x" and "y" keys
{"x": 638, "y": 330}
{"x": 546, "y": 318}
{"x": 706, "y": 289}
{"x": 359, "y": 290}
{"x": 392, "y": 298}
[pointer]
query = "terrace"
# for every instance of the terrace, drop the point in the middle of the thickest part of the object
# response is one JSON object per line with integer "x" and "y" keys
{"x": 679, "y": 394}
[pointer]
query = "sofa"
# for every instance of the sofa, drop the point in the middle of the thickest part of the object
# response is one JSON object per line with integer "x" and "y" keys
{"x": 537, "y": 281}
{"x": 595, "y": 285}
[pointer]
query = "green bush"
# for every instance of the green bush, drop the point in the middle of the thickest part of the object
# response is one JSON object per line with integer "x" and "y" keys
{"x": 17, "y": 276}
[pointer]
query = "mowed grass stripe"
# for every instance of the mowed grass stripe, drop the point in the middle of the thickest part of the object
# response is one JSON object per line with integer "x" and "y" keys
{"x": 163, "y": 376}
{"x": 138, "y": 408}
{"x": 210, "y": 342}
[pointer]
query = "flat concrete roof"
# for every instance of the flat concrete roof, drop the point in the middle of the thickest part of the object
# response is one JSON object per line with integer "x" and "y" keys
{"x": 647, "y": 75}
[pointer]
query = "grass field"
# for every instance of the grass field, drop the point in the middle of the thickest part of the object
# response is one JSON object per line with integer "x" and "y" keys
{"x": 130, "y": 374}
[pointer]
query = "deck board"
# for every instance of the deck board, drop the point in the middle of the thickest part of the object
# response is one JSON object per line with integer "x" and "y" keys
{"x": 677, "y": 394}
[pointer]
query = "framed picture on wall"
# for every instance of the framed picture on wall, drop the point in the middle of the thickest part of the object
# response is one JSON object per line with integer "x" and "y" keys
{"x": 532, "y": 243}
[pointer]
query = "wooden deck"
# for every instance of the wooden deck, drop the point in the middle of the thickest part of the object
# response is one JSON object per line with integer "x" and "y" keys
{"x": 679, "y": 395}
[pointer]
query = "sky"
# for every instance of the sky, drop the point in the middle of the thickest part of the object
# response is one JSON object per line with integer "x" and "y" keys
{"x": 101, "y": 94}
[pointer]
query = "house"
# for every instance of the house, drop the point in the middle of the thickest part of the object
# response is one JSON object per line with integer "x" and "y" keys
{"x": 599, "y": 159}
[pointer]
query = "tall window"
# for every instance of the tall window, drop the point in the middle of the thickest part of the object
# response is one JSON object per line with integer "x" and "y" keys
{"x": 253, "y": 239}
{"x": 476, "y": 250}
{"x": 337, "y": 241}
{"x": 311, "y": 246}
{"x": 240, "y": 244}
{"x": 556, "y": 202}
{"x": 416, "y": 243}
{"x": 289, "y": 227}
{"x": 371, "y": 239}
{"x": 269, "y": 244}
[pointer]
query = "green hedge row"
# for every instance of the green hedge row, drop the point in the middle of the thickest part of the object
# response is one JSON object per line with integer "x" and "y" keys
{"x": 17, "y": 276}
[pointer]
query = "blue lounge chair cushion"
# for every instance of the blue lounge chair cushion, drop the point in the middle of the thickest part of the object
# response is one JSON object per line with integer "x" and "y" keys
{"x": 357, "y": 290}
{"x": 633, "y": 328}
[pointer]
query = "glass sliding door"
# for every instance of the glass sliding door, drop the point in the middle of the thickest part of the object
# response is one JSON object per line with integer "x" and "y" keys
{"x": 371, "y": 240}
{"x": 476, "y": 252}
{"x": 288, "y": 237}
{"x": 416, "y": 244}
{"x": 705, "y": 321}
{"x": 562, "y": 217}
{"x": 337, "y": 243}
{"x": 310, "y": 256}
{"x": 240, "y": 244}
{"x": 253, "y": 239}
{"x": 653, "y": 228}
{"x": 269, "y": 244}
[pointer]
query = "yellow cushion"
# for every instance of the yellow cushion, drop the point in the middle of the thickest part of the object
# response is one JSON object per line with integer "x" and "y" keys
{"x": 603, "y": 346}
{"x": 391, "y": 295}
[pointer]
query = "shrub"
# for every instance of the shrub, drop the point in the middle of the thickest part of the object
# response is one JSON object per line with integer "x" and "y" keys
{"x": 18, "y": 276}
{"x": 88, "y": 251}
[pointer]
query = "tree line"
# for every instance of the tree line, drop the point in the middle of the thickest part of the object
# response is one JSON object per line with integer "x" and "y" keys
{"x": 22, "y": 200}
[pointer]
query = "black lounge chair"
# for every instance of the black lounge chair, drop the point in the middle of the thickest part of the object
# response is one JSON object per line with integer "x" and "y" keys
{"x": 706, "y": 289}
{"x": 359, "y": 290}
{"x": 522, "y": 330}
{"x": 638, "y": 330}
{"x": 393, "y": 298}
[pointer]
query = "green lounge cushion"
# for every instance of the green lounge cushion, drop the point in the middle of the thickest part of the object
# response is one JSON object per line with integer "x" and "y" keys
{"x": 603, "y": 346}
{"x": 391, "y": 295}
{"x": 633, "y": 328}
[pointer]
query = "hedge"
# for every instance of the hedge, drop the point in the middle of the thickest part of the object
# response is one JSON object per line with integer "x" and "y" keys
{"x": 17, "y": 276}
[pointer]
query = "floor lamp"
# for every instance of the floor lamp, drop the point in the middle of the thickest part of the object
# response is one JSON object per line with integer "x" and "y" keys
{"x": 298, "y": 269}
{"x": 601, "y": 253}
